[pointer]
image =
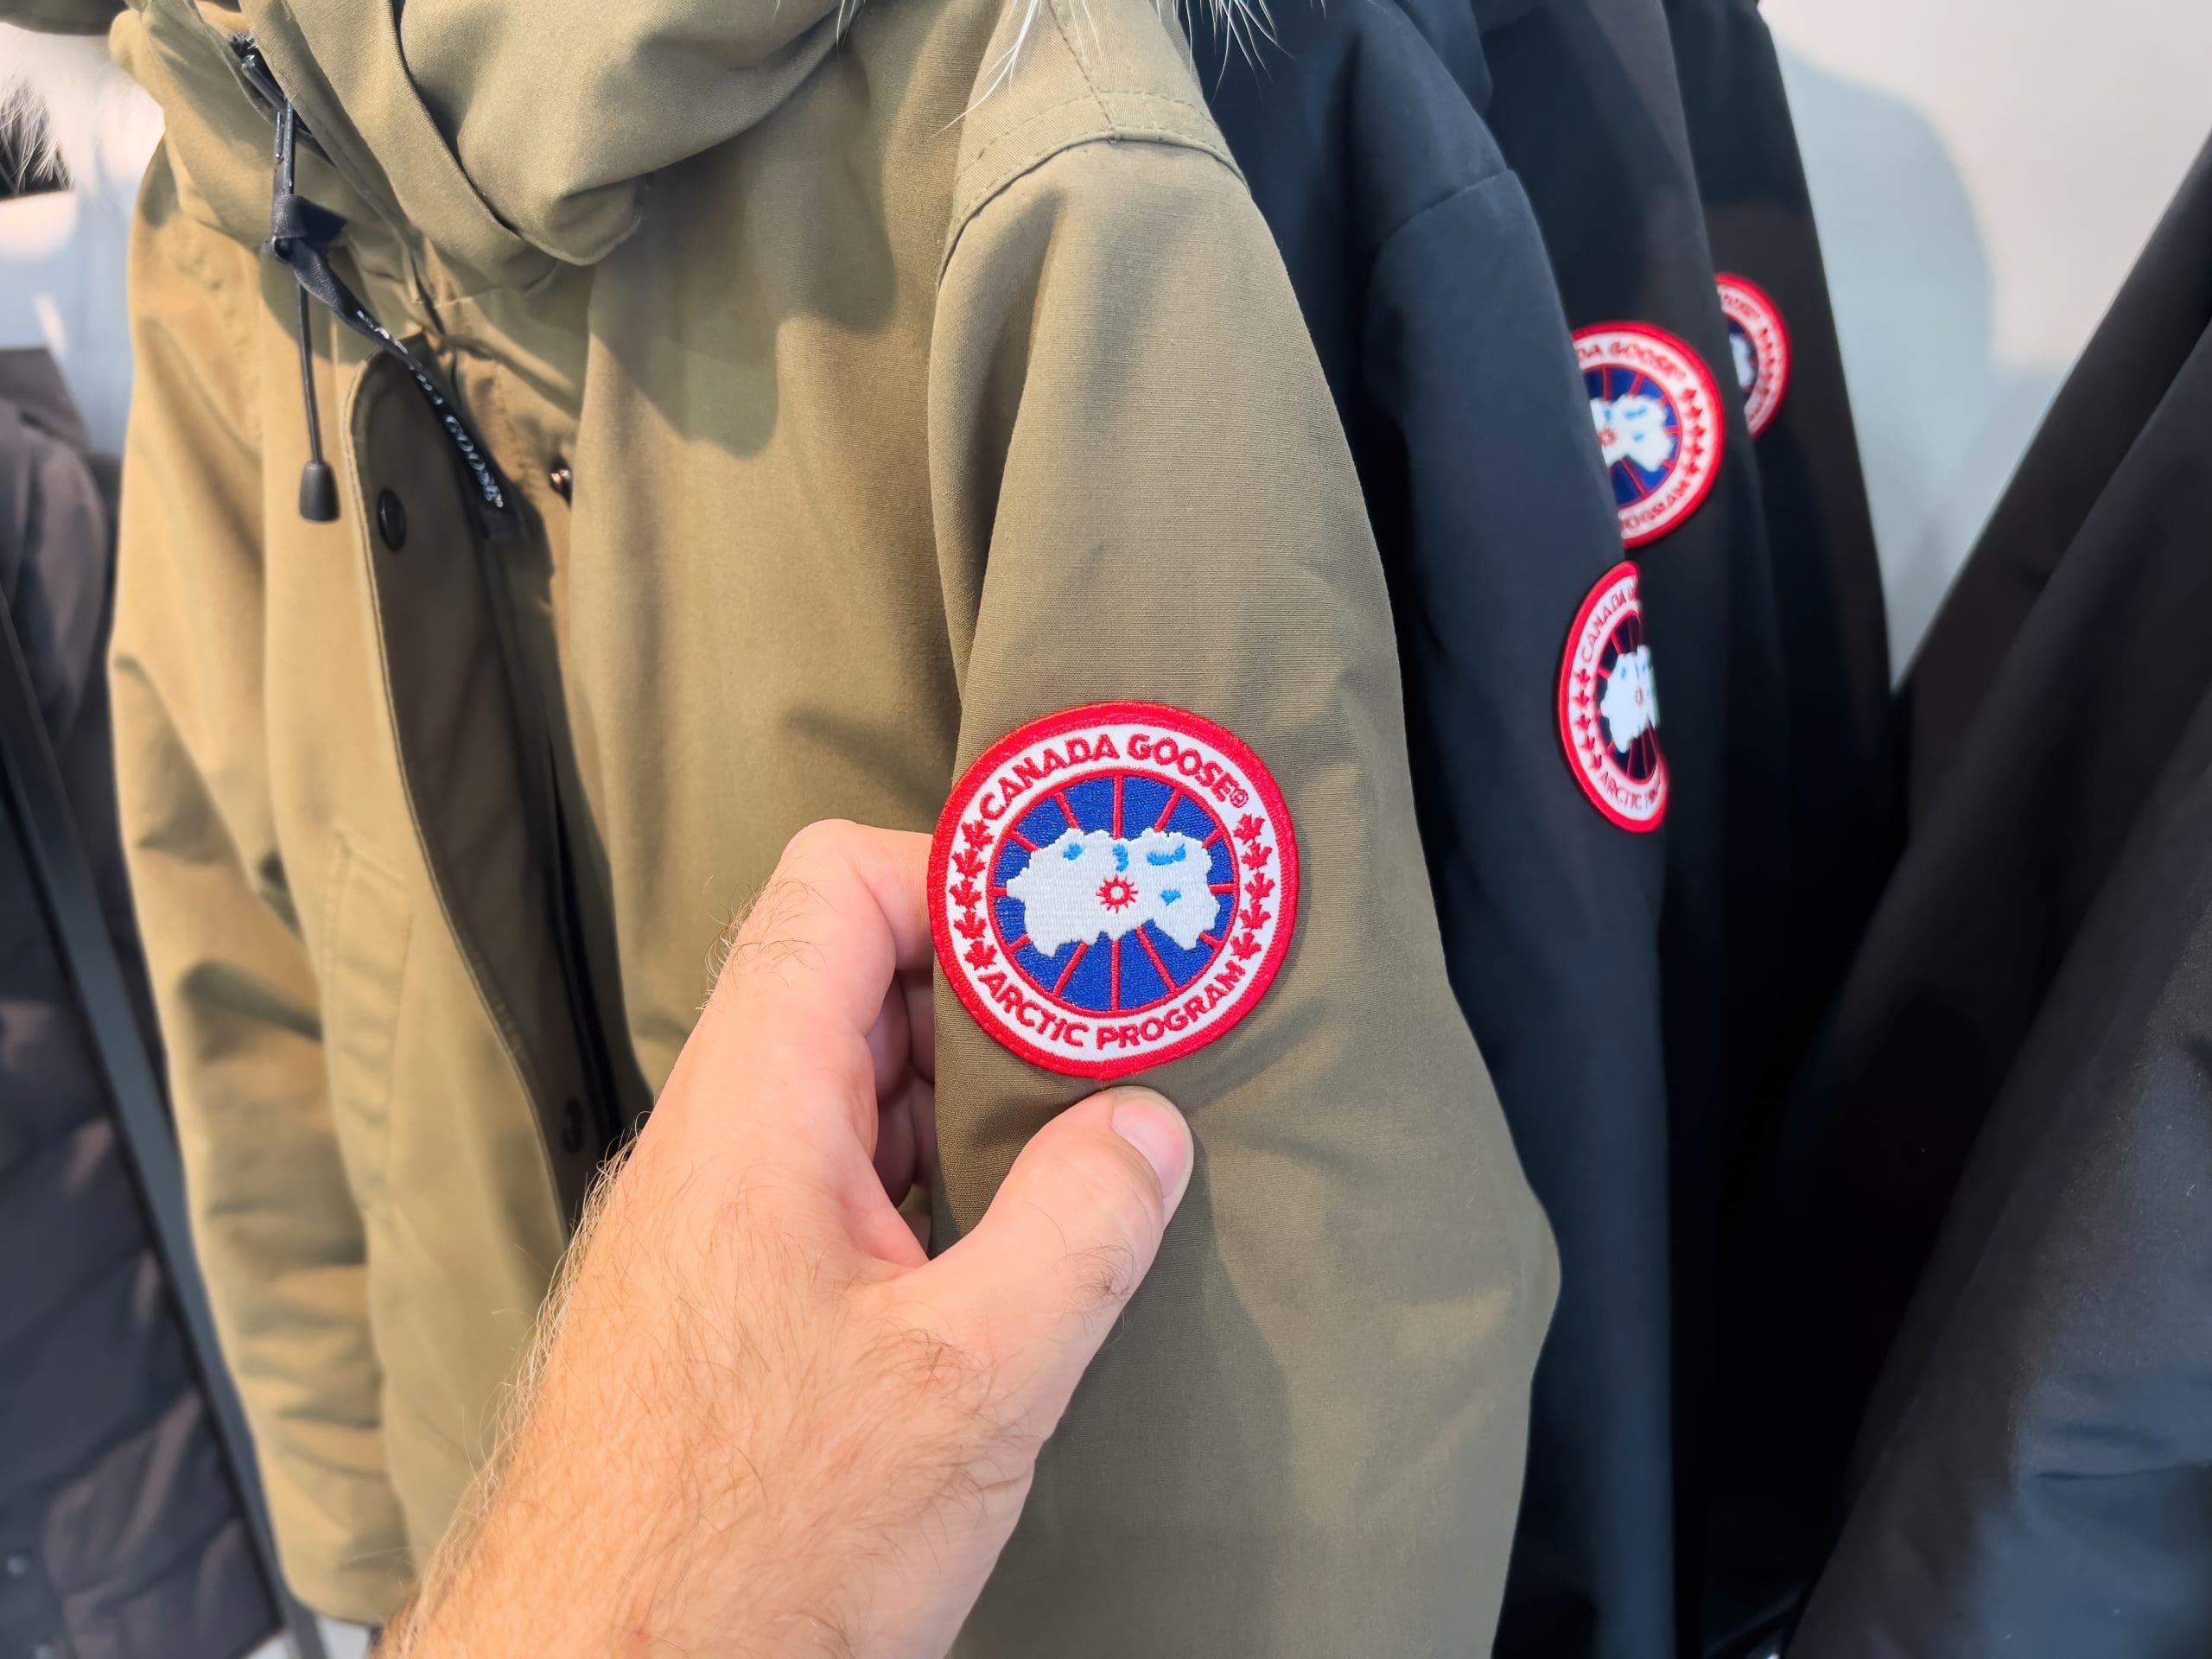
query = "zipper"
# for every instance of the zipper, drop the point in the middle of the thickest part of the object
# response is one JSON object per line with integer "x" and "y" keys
{"x": 300, "y": 235}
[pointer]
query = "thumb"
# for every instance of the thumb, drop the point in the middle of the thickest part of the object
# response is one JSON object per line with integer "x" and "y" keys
{"x": 1071, "y": 1234}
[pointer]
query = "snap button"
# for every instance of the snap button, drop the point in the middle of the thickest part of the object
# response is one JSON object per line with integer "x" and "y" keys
{"x": 391, "y": 519}
{"x": 572, "y": 1125}
{"x": 562, "y": 479}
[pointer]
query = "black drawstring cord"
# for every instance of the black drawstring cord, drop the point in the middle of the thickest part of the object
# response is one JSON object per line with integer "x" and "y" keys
{"x": 318, "y": 484}
{"x": 300, "y": 235}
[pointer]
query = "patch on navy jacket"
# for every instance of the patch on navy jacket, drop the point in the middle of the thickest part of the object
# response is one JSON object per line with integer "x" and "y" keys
{"x": 1113, "y": 886}
{"x": 1658, "y": 417}
{"x": 1609, "y": 705}
{"x": 1760, "y": 343}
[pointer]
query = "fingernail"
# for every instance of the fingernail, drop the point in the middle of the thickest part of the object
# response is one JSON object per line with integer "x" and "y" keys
{"x": 1151, "y": 1124}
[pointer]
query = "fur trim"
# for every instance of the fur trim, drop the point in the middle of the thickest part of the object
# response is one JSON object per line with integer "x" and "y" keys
{"x": 65, "y": 102}
{"x": 1247, "y": 25}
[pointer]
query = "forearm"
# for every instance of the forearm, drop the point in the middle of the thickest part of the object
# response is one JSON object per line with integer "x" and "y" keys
{"x": 758, "y": 1418}
{"x": 702, "y": 1485}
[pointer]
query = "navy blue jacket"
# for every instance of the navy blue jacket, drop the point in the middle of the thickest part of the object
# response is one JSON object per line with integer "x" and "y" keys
{"x": 1588, "y": 109}
{"x": 1843, "y": 792}
{"x": 1423, "y": 279}
{"x": 1842, "y": 788}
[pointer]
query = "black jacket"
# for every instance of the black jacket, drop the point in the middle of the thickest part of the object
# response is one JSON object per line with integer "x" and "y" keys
{"x": 2155, "y": 323}
{"x": 2092, "y": 671}
{"x": 1423, "y": 281}
{"x": 120, "y": 1532}
{"x": 2035, "y": 1475}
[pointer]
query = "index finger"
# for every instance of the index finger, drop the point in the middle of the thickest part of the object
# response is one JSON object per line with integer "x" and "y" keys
{"x": 845, "y": 911}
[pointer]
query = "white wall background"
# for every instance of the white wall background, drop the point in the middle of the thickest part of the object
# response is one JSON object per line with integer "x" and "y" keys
{"x": 1984, "y": 172}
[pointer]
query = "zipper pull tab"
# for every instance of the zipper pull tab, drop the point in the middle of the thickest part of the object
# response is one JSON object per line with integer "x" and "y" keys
{"x": 318, "y": 484}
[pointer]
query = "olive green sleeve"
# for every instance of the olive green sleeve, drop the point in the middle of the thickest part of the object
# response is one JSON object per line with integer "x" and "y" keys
{"x": 274, "y": 1221}
{"x": 1307, "y": 1438}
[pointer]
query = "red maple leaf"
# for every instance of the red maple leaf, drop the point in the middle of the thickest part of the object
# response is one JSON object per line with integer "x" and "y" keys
{"x": 1259, "y": 888}
{"x": 1252, "y": 916}
{"x": 969, "y": 927}
{"x": 1249, "y": 828}
{"x": 968, "y": 863}
{"x": 1258, "y": 854}
{"x": 964, "y": 894}
{"x": 981, "y": 954}
{"x": 1245, "y": 945}
{"x": 977, "y": 833}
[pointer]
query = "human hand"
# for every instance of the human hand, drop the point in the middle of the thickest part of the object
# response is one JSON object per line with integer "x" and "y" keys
{"x": 759, "y": 1419}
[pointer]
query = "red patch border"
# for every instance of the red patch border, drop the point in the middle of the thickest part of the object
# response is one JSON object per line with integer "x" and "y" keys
{"x": 1703, "y": 372}
{"x": 1614, "y": 813}
{"x": 971, "y": 782}
{"x": 1761, "y": 407}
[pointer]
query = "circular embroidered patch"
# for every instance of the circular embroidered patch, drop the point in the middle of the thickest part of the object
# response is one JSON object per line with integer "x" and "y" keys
{"x": 1658, "y": 414}
{"x": 1760, "y": 344}
{"x": 1609, "y": 705}
{"x": 1113, "y": 886}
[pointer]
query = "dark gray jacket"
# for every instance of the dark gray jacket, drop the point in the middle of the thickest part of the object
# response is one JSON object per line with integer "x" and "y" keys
{"x": 1985, "y": 1183}
{"x": 2034, "y": 1474}
{"x": 121, "y": 1535}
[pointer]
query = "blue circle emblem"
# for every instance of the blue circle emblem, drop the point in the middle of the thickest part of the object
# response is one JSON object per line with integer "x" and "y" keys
{"x": 1146, "y": 966}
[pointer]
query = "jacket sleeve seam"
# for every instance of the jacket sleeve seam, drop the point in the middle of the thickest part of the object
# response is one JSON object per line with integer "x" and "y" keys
{"x": 1167, "y": 137}
{"x": 1081, "y": 68}
{"x": 1112, "y": 129}
{"x": 1382, "y": 249}
{"x": 1100, "y": 94}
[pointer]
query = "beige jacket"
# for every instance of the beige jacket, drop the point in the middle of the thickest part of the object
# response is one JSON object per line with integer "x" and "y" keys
{"x": 864, "y": 396}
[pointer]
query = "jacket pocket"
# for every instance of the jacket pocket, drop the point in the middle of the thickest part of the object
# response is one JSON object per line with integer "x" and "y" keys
{"x": 364, "y": 969}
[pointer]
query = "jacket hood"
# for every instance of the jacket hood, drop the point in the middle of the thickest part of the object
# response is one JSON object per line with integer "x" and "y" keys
{"x": 556, "y": 111}
{"x": 502, "y": 134}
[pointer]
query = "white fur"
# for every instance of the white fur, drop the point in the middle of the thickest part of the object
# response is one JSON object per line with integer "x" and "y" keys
{"x": 76, "y": 106}
{"x": 1245, "y": 24}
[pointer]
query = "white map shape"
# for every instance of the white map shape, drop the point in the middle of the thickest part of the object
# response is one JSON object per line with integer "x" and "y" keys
{"x": 1747, "y": 361}
{"x": 1160, "y": 877}
{"x": 1635, "y": 427}
{"x": 1631, "y": 705}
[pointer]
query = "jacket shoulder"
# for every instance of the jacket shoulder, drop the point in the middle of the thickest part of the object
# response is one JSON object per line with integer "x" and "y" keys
{"x": 1061, "y": 74}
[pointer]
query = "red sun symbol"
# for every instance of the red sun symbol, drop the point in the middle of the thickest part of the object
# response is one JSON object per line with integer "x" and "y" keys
{"x": 1117, "y": 892}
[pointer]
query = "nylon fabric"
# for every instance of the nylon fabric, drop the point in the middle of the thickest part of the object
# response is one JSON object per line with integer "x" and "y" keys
{"x": 882, "y": 423}
{"x": 1422, "y": 277}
